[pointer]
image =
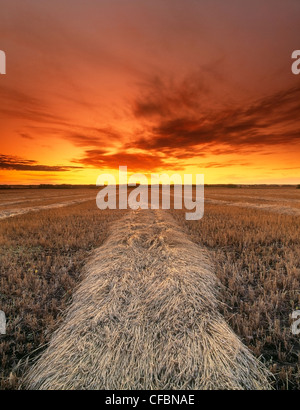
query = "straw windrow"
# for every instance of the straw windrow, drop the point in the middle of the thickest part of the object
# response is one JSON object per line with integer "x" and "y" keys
{"x": 146, "y": 317}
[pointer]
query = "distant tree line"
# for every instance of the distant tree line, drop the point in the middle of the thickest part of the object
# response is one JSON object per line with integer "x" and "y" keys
{"x": 90, "y": 186}
{"x": 48, "y": 186}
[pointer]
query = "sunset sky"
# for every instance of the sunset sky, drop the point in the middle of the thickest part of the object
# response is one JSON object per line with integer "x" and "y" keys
{"x": 185, "y": 86}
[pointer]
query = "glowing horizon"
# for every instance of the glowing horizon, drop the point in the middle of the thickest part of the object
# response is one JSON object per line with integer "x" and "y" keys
{"x": 161, "y": 87}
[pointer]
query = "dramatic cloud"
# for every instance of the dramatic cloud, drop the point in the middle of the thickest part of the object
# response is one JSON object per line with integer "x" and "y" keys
{"x": 267, "y": 122}
{"x": 164, "y": 97}
{"x": 8, "y": 162}
{"x": 92, "y": 137}
{"x": 177, "y": 129}
{"x": 154, "y": 85}
{"x": 135, "y": 161}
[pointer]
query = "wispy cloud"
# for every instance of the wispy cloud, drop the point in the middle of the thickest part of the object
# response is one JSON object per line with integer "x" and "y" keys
{"x": 9, "y": 162}
{"x": 152, "y": 85}
{"x": 21, "y": 105}
{"x": 174, "y": 128}
{"x": 162, "y": 97}
{"x": 26, "y": 136}
{"x": 93, "y": 137}
{"x": 135, "y": 161}
{"x": 266, "y": 122}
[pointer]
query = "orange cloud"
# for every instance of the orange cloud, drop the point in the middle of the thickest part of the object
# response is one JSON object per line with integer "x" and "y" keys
{"x": 174, "y": 85}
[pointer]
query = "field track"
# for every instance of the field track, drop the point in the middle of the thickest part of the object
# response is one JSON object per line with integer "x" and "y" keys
{"x": 280, "y": 209}
{"x": 146, "y": 317}
{"x": 21, "y": 211}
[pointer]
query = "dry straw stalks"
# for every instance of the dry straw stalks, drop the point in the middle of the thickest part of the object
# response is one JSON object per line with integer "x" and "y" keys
{"x": 146, "y": 316}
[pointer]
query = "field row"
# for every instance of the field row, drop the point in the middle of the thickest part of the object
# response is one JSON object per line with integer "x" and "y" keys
{"x": 41, "y": 259}
{"x": 257, "y": 259}
{"x": 255, "y": 254}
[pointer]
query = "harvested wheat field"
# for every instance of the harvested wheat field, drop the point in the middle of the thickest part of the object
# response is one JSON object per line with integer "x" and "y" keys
{"x": 146, "y": 316}
{"x": 42, "y": 254}
{"x": 11, "y": 206}
{"x": 145, "y": 299}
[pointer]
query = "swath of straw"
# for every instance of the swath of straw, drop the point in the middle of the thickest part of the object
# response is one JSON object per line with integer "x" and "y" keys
{"x": 146, "y": 317}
